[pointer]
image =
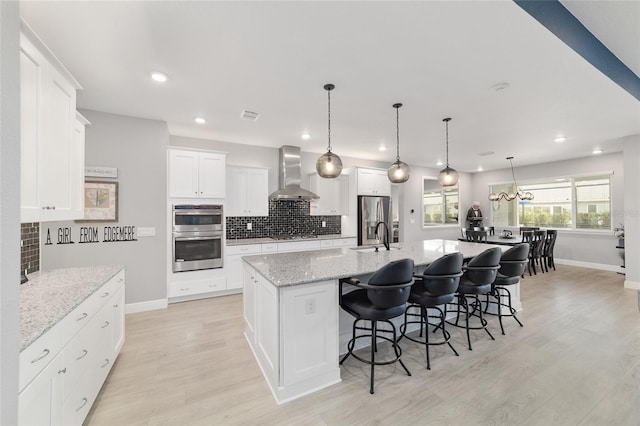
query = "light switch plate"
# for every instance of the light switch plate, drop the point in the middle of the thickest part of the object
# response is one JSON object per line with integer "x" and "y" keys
{"x": 149, "y": 231}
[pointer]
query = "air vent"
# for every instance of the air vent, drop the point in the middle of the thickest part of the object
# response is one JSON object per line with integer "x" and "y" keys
{"x": 249, "y": 115}
{"x": 484, "y": 154}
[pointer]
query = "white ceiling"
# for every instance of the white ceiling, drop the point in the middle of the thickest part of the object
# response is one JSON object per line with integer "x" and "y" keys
{"x": 439, "y": 58}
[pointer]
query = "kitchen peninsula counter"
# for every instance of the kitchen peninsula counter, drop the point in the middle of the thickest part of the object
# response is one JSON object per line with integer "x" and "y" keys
{"x": 291, "y": 312}
{"x": 49, "y": 296}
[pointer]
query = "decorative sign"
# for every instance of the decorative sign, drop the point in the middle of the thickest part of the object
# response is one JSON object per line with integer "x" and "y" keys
{"x": 92, "y": 234}
{"x": 101, "y": 172}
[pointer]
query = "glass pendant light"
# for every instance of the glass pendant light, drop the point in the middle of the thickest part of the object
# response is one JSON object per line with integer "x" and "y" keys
{"x": 329, "y": 165}
{"x": 448, "y": 176}
{"x": 399, "y": 171}
{"x": 518, "y": 193}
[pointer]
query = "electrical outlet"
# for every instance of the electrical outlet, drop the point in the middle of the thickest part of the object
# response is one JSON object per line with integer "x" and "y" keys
{"x": 324, "y": 223}
{"x": 249, "y": 226}
{"x": 310, "y": 306}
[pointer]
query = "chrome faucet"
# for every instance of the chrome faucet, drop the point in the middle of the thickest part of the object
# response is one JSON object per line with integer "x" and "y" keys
{"x": 385, "y": 240}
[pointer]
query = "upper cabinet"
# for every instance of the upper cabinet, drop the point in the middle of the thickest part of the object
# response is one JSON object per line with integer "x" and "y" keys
{"x": 52, "y": 136}
{"x": 373, "y": 182}
{"x": 196, "y": 174}
{"x": 333, "y": 193}
{"x": 247, "y": 191}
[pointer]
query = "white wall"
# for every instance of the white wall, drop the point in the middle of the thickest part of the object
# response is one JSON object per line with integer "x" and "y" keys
{"x": 138, "y": 148}
{"x": 9, "y": 210}
{"x": 410, "y": 195}
{"x": 575, "y": 246}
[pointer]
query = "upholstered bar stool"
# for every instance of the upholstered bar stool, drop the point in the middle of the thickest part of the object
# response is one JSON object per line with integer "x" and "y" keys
{"x": 478, "y": 276}
{"x": 434, "y": 288}
{"x": 382, "y": 298}
{"x": 512, "y": 264}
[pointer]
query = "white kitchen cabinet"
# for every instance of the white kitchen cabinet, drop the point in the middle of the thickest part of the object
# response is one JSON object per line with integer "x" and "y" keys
{"x": 247, "y": 191}
{"x": 52, "y": 142}
{"x": 196, "y": 174}
{"x": 200, "y": 286}
{"x": 233, "y": 263}
{"x": 40, "y": 403}
{"x": 62, "y": 372}
{"x": 248, "y": 301}
{"x": 333, "y": 193}
{"x": 373, "y": 182}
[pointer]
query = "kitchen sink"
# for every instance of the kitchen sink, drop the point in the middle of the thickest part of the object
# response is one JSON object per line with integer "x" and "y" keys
{"x": 369, "y": 249}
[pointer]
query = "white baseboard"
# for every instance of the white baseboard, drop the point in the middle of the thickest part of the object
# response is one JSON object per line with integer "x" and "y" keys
{"x": 633, "y": 285}
{"x": 591, "y": 265}
{"x": 151, "y": 305}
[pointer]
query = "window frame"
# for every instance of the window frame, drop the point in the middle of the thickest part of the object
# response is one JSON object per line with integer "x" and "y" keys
{"x": 574, "y": 201}
{"x": 443, "y": 204}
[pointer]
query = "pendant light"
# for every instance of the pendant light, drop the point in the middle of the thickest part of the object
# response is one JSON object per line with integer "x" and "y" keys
{"x": 448, "y": 176}
{"x": 518, "y": 193}
{"x": 329, "y": 165}
{"x": 399, "y": 171}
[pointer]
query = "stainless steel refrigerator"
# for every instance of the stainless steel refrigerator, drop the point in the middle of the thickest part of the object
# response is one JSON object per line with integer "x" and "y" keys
{"x": 371, "y": 211}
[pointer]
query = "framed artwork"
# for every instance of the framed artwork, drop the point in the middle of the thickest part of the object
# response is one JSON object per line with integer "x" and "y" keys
{"x": 100, "y": 201}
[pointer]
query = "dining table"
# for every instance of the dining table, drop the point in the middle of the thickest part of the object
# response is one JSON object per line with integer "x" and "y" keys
{"x": 496, "y": 239}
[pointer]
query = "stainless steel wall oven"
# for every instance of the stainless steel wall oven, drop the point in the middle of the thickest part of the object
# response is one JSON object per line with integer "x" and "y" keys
{"x": 197, "y": 237}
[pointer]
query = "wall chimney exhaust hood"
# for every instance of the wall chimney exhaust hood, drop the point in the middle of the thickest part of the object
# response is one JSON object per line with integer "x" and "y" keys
{"x": 290, "y": 174}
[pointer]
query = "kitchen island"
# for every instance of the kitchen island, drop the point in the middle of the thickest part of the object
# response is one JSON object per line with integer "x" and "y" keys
{"x": 291, "y": 312}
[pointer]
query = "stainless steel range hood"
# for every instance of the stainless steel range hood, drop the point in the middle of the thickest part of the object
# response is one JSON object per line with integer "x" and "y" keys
{"x": 290, "y": 174}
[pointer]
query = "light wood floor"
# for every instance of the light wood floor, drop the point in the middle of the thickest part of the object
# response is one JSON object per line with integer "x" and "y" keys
{"x": 575, "y": 362}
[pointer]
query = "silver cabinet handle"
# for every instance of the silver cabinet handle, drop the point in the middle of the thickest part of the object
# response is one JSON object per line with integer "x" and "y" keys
{"x": 105, "y": 363}
{"x": 84, "y": 315}
{"x": 120, "y": 280}
{"x": 184, "y": 289}
{"x": 44, "y": 354}
{"x": 115, "y": 306}
{"x": 106, "y": 324}
{"x": 64, "y": 370}
{"x": 84, "y": 353}
{"x": 106, "y": 294}
{"x": 84, "y": 402}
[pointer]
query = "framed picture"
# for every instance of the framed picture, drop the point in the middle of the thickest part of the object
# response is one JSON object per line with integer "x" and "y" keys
{"x": 100, "y": 201}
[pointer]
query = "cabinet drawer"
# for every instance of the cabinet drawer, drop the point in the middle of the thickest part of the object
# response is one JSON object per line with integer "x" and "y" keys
{"x": 37, "y": 355}
{"x": 345, "y": 242}
{"x": 117, "y": 281}
{"x": 245, "y": 249}
{"x": 298, "y": 246}
{"x": 83, "y": 313}
{"x": 196, "y": 287}
{"x": 269, "y": 248}
{"x": 326, "y": 243}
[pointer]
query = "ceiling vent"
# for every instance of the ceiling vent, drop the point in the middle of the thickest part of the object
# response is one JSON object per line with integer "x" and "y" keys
{"x": 249, "y": 115}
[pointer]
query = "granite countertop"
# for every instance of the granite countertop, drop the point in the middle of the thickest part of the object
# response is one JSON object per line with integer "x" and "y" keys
{"x": 287, "y": 269}
{"x": 246, "y": 241}
{"x": 49, "y": 296}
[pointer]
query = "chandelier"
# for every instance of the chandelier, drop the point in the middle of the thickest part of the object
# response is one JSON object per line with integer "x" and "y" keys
{"x": 329, "y": 165}
{"x": 523, "y": 195}
{"x": 448, "y": 176}
{"x": 399, "y": 171}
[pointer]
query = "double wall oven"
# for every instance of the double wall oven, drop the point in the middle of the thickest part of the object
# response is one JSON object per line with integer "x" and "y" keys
{"x": 197, "y": 237}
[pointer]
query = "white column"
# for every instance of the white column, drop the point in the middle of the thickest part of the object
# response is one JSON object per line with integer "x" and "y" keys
{"x": 9, "y": 209}
{"x": 632, "y": 211}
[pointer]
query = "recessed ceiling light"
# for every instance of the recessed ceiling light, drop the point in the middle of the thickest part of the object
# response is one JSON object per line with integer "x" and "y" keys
{"x": 597, "y": 151}
{"x": 560, "y": 139}
{"x": 159, "y": 77}
{"x": 306, "y": 136}
{"x": 199, "y": 120}
{"x": 382, "y": 148}
{"x": 439, "y": 163}
{"x": 480, "y": 168}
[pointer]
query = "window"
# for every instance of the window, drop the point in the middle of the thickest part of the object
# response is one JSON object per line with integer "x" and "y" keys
{"x": 570, "y": 203}
{"x": 439, "y": 205}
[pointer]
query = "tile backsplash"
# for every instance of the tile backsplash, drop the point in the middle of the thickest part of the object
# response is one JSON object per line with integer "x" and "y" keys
{"x": 286, "y": 217}
{"x": 30, "y": 247}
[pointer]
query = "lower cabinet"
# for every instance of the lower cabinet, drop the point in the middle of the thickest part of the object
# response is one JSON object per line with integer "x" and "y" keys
{"x": 63, "y": 391}
{"x": 277, "y": 324}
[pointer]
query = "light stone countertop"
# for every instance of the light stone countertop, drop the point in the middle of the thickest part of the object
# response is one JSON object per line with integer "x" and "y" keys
{"x": 49, "y": 296}
{"x": 247, "y": 241}
{"x": 287, "y": 269}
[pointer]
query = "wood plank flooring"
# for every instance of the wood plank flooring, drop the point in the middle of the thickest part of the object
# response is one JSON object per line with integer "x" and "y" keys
{"x": 576, "y": 361}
